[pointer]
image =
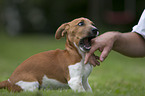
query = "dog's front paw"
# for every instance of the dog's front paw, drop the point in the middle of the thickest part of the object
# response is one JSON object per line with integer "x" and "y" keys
{"x": 76, "y": 85}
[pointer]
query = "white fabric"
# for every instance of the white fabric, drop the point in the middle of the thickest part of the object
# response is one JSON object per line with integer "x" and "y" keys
{"x": 140, "y": 27}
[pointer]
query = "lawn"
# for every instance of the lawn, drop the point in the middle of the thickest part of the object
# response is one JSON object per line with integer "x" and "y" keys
{"x": 117, "y": 76}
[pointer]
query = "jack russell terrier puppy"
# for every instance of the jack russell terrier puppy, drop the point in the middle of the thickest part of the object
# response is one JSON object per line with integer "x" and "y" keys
{"x": 58, "y": 68}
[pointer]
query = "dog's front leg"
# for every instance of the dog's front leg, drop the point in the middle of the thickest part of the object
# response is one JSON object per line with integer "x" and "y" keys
{"x": 86, "y": 85}
{"x": 87, "y": 71}
{"x": 75, "y": 84}
{"x": 76, "y": 74}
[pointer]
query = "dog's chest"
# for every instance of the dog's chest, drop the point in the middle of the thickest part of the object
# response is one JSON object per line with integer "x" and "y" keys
{"x": 80, "y": 69}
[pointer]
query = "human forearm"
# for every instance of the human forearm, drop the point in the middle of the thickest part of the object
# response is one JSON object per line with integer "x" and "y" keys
{"x": 130, "y": 44}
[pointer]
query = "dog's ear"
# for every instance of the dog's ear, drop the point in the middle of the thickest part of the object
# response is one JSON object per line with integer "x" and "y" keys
{"x": 61, "y": 31}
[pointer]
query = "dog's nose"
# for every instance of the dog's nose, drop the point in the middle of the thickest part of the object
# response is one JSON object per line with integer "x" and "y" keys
{"x": 94, "y": 31}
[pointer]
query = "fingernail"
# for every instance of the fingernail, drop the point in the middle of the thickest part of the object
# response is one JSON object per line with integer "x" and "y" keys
{"x": 102, "y": 59}
{"x": 85, "y": 62}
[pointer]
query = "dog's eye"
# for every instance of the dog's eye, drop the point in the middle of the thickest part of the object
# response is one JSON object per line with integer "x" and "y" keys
{"x": 81, "y": 23}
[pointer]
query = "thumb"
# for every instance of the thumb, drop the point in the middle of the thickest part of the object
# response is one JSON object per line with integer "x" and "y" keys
{"x": 87, "y": 58}
{"x": 104, "y": 53}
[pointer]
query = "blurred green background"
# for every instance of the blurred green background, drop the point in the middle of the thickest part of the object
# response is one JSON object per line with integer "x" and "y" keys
{"x": 27, "y": 27}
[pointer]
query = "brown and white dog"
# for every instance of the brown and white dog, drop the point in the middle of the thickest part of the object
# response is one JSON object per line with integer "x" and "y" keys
{"x": 58, "y": 68}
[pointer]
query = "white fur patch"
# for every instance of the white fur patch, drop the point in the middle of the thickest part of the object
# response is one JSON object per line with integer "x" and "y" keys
{"x": 28, "y": 86}
{"x": 79, "y": 73}
{"x": 52, "y": 83}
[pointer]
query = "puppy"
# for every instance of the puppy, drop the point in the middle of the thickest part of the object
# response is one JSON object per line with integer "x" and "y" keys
{"x": 58, "y": 68}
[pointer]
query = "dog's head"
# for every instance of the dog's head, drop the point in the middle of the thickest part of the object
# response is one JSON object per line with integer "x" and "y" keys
{"x": 79, "y": 31}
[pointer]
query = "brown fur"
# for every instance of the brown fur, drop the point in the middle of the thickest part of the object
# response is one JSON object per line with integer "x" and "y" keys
{"x": 54, "y": 64}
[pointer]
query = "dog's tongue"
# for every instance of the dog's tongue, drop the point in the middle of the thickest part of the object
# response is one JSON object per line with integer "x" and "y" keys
{"x": 87, "y": 45}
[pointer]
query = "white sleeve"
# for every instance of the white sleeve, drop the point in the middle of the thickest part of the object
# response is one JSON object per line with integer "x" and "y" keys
{"x": 140, "y": 27}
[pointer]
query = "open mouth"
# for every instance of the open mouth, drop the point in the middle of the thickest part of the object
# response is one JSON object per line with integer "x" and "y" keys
{"x": 85, "y": 43}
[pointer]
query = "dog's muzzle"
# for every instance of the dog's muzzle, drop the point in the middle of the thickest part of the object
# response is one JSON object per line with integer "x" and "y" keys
{"x": 85, "y": 43}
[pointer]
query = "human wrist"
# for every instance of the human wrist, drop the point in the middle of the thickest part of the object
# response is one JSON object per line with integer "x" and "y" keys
{"x": 116, "y": 39}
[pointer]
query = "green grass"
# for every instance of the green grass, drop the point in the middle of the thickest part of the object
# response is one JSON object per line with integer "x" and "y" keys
{"x": 117, "y": 76}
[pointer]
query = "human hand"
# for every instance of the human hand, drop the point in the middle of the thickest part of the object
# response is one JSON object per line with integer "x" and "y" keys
{"x": 104, "y": 44}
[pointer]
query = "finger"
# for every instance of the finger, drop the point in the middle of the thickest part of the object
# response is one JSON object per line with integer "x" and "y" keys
{"x": 96, "y": 58}
{"x": 97, "y": 63}
{"x": 87, "y": 57}
{"x": 104, "y": 53}
{"x": 92, "y": 62}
